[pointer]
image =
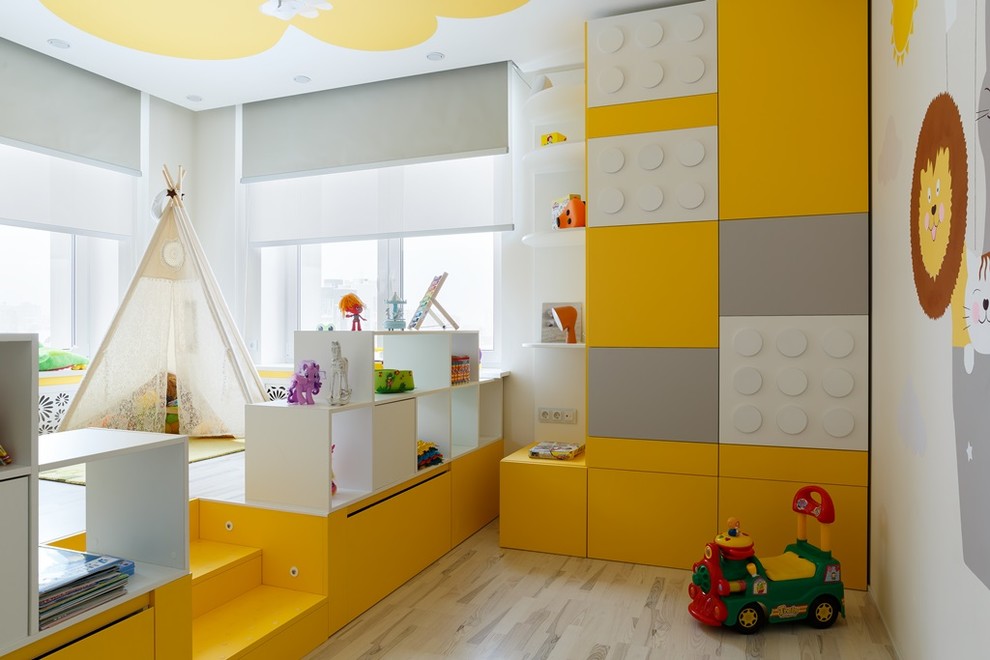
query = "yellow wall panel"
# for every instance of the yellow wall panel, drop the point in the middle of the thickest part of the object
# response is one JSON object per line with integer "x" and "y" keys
{"x": 173, "y": 614}
{"x": 764, "y": 511}
{"x": 650, "y": 116}
{"x": 792, "y": 108}
{"x": 543, "y": 504}
{"x": 811, "y": 466}
{"x": 286, "y": 539}
{"x": 653, "y": 285}
{"x": 699, "y": 458}
{"x": 474, "y": 490}
{"x": 650, "y": 518}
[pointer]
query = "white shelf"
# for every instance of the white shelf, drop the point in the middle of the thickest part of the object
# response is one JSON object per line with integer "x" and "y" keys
{"x": 561, "y": 345}
{"x": 555, "y": 238}
{"x": 288, "y": 458}
{"x": 557, "y": 103}
{"x": 560, "y": 157}
{"x": 137, "y": 498}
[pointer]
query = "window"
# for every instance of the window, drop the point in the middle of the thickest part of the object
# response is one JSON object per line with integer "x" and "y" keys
{"x": 62, "y": 228}
{"x": 377, "y": 233}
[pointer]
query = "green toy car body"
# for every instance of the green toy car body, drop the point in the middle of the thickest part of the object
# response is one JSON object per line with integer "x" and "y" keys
{"x": 730, "y": 586}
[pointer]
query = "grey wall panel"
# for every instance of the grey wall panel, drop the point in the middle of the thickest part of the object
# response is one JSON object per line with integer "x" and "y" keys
{"x": 653, "y": 393}
{"x": 801, "y": 266}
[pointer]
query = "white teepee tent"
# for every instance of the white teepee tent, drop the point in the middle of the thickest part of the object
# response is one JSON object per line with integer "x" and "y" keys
{"x": 172, "y": 320}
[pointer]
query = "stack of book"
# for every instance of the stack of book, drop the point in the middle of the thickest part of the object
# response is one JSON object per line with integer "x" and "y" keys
{"x": 558, "y": 450}
{"x": 71, "y": 582}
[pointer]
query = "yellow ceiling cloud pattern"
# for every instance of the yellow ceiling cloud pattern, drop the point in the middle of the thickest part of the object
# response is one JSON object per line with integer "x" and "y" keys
{"x": 229, "y": 29}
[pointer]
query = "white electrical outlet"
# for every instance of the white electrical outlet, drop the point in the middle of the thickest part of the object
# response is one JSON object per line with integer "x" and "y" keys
{"x": 546, "y": 415}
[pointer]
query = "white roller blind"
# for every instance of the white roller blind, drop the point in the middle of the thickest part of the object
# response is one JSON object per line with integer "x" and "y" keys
{"x": 62, "y": 195}
{"x": 51, "y": 105}
{"x": 464, "y": 194}
{"x": 426, "y": 117}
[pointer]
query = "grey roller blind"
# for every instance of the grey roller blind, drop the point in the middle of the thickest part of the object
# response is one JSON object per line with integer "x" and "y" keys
{"x": 51, "y": 105}
{"x": 419, "y": 118}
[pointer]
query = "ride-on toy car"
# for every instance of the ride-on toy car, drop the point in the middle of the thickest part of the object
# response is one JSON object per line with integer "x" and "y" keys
{"x": 732, "y": 587}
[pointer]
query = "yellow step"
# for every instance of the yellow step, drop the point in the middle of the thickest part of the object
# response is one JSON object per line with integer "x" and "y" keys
{"x": 221, "y": 572}
{"x": 265, "y": 622}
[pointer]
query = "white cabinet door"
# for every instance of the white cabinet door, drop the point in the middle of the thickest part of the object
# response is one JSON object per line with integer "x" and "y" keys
{"x": 14, "y": 559}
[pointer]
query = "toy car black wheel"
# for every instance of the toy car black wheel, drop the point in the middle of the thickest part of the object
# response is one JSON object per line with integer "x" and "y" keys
{"x": 751, "y": 618}
{"x": 823, "y": 612}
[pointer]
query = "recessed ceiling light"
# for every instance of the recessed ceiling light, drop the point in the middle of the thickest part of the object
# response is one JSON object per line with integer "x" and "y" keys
{"x": 302, "y": 80}
{"x": 195, "y": 98}
{"x": 58, "y": 43}
{"x": 435, "y": 56}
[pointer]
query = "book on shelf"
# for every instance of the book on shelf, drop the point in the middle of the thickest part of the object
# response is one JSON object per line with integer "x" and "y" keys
{"x": 71, "y": 582}
{"x": 557, "y": 450}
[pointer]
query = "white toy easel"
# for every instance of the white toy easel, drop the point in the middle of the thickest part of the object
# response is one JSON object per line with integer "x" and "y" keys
{"x": 430, "y": 305}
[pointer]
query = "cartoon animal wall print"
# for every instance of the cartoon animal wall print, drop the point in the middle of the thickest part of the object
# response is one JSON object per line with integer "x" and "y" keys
{"x": 977, "y": 307}
{"x": 939, "y": 189}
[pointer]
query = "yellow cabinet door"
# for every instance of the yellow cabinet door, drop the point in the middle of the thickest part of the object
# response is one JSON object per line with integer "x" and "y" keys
{"x": 130, "y": 639}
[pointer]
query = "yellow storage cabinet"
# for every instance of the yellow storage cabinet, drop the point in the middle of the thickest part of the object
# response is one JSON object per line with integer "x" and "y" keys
{"x": 130, "y": 639}
{"x": 792, "y": 108}
{"x": 543, "y": 504}
{"x": 653, "y": 285}
{"x": 474, "y": 491}
{"x": 649, "y": 517}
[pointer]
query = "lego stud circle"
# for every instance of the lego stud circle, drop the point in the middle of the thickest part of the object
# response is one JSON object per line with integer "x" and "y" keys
{"x": 611, "y": 200}
{"x": 838, "y": 343}
{"x": 792, "y": 381}
{"x": 689, "y": 27}
{"x": 649, "y": 34}
{"x": 838, "y": 383}
{"x": 649, "y": 75}
{"x": 792, "y": 420}
{"x": 610, "y": 39}
{"x": 294, "y": 571}
{"x": 650, "y": 157}
{"x": 691, "y": 195}
{"x": 610, "y": 80}
{"x": 690, "y": 153}
{"x": 747, "y": 419}
{"x": 611, "y": 160}
{"x": 747, "y": 381}
{"x": 792, "y": 342}
{"x": 690, "y": 69}
{"x": 747, "y": 342}
{"x": 649, "y": 198}
{"x": 229, "y": 526}
{"x": 838, "y": 422}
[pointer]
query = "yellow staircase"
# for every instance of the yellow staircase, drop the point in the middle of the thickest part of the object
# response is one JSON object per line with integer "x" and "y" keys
{"x": 241, "y": 605}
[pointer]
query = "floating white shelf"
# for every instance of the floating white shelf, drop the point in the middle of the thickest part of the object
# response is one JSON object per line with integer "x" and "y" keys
{"x": 560, "y": 157}
{"x": 555, "y": 238}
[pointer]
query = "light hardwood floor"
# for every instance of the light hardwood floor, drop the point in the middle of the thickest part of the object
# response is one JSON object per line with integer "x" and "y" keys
{"x": 483, "y": 601}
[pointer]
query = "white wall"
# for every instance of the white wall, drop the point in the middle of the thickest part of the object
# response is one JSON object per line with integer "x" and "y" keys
{"x": 932, "y": 603}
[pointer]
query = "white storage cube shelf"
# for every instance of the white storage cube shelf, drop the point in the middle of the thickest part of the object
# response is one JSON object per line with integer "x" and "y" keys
{"x": 137, "y": 497}
{"x": 288, "y": 457}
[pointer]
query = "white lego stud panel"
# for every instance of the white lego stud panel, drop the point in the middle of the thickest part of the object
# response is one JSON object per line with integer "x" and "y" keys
{"x": 646, "y": 178}
{"x": 794, "y": 381}
{"x": 656, "y": 54}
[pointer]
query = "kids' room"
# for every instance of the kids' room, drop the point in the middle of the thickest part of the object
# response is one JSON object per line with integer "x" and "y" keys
{"x": 505, "y": 329}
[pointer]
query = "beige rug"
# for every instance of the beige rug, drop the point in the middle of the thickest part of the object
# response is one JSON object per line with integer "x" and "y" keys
{"x": 200, "y": 449}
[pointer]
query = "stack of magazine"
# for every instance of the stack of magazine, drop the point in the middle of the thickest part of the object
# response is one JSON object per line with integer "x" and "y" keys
{"x": 71, "y": 582}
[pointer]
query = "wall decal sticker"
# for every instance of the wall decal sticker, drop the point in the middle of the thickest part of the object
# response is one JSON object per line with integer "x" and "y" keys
{"x": 939, "y": 189}
{"x": 902, "y": 22}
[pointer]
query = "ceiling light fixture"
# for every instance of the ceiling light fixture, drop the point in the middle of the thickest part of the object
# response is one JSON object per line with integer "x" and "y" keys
{"x": 195, "y": 98}
{"x": 58, "y": 43}
{"x": 435, "y": 56}
{"x": 301, "y": 79}
{"x": 289, "y": 9}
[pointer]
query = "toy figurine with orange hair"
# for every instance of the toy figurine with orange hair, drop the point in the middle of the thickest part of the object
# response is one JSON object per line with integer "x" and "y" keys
{"x": 351, "y": 307}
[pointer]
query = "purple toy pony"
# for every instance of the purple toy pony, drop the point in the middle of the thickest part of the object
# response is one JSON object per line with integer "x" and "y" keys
{"x": 305, "y": 383}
